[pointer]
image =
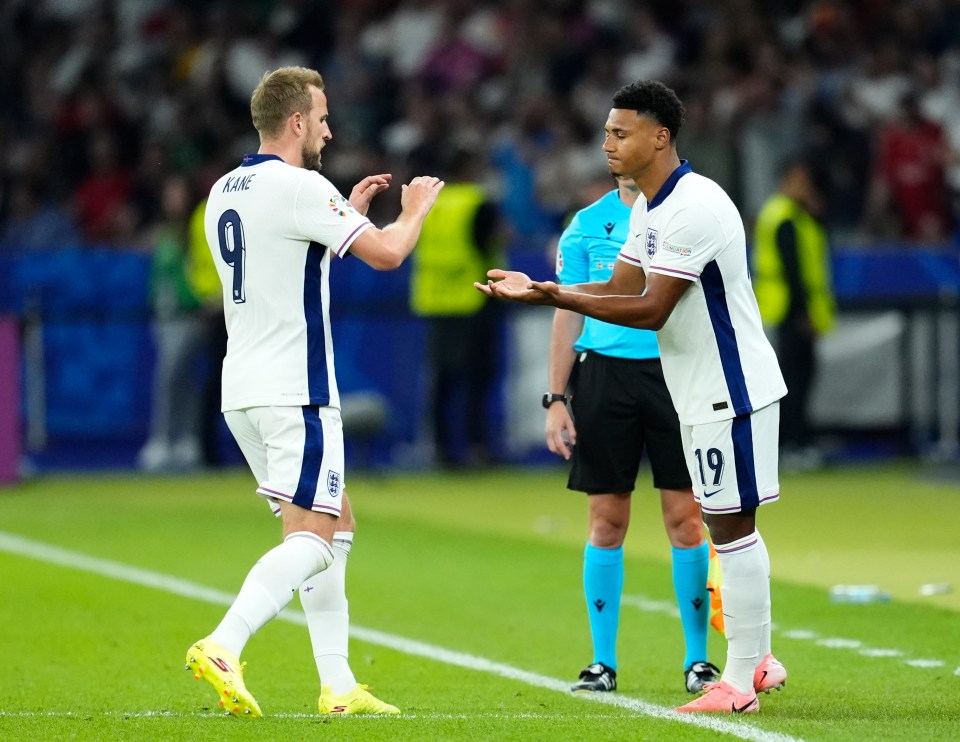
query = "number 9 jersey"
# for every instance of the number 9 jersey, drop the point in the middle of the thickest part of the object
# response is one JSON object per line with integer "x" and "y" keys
{"x": 272, "y": 228}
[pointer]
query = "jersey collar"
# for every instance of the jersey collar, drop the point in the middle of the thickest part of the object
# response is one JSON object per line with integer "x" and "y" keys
{"x": 669, "y": 184}
{"x": 251, "y": 160}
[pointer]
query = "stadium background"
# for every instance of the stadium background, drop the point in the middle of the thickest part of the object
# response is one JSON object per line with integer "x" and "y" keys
{"x": 103, "y": 100}
{"x": 465, "y": 594}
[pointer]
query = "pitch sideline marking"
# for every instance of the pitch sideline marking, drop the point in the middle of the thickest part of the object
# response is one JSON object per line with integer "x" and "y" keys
{"x": 44, "y": 552}
{"x": 643, "y": 603}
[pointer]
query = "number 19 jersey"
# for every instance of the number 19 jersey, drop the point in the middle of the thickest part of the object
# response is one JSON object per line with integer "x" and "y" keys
{"x": 272, "y": 228}
{"x": 717, "y": 362}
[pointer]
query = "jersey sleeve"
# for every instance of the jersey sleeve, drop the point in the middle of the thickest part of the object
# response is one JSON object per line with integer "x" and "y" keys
{"x": 326, "y": 217}
{"x": 692, "y": 239}
{"x": 633, "y": 248}
{"x": 572, "y": 259}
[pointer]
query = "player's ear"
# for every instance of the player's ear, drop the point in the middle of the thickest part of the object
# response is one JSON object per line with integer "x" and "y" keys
{"x": 663, "y": 137}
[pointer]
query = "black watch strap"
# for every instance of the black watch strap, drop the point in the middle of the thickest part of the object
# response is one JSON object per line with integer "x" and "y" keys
{"x": 549, "y": 399}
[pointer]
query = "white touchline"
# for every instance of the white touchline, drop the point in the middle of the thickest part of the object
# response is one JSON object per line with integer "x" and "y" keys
{"x": 51, "y": 554}
{"x": 643, "y": 603}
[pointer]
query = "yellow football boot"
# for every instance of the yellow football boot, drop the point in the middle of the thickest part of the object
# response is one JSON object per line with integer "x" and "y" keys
{"x": 224, "y": 672}
{"x": 357, "y": 701}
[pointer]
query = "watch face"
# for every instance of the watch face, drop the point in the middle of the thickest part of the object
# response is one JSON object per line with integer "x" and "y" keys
{"x": 549, "y": 399}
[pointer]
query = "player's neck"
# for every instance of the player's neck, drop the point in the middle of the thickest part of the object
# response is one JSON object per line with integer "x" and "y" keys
{"x": 652, "y": 179}
{"x": 292, "y": 154}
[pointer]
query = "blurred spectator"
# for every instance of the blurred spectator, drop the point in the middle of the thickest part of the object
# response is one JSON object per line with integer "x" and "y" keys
{"x": 175, "y": 422}
{"x": 938, "y": 93}
{"x": 35, "y": 222}
{"x": 102, "y": 197}
{"x": 909, "y": 178}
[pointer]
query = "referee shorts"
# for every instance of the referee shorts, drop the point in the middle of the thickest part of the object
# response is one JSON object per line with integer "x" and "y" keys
{"x": 621, "y": 407}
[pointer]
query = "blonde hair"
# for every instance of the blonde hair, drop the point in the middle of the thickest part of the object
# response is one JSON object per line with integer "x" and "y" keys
{"x": 280, "y": 94}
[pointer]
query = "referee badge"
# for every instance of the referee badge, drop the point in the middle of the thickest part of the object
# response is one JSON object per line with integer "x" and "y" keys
{"x": 651, "y": 242}
{"x": 333, "y": 483}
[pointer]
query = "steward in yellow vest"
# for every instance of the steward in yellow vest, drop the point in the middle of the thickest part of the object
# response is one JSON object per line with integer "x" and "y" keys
{"x": 459, "y": 242}
{"x": 450, "y": 255}
{"x": 791, "y": 265}
{"x": 791, "y": 278}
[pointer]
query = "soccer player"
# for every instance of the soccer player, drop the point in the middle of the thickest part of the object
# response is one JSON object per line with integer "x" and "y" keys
{"x": 622, "y": 407}
{"x": 272, "y": 225}
{"x": 683, "y": 272}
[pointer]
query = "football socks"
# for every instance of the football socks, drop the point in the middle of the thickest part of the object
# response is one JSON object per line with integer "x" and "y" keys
{"x": 765, "y": 632}
{"x": 324, "y": 601}
{"x": 690, "y": 585}
{"x": 602, "y": 586}
{"x": 746, "y": 600}
{"x": 269, "y": 586}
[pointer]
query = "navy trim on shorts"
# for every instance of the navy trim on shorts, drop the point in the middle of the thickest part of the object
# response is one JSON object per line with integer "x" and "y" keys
{"x": 742, "y": 434}
{"x": 312, "y": 458}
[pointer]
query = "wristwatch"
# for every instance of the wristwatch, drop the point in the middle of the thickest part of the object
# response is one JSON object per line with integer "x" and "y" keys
{"x": 549, "y": 399}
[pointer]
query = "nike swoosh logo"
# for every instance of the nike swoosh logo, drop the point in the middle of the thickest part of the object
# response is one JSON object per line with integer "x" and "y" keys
{"x": 711, "y": 494}
{"x": 764, "y": 676}
{"x": 733, "y": 707}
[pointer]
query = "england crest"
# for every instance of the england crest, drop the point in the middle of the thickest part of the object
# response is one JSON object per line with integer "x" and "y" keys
{"x": 651, "y": 242}
{"x": 333, "y": 483}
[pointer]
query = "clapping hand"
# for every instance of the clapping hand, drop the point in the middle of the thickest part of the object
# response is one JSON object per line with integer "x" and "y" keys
{"x": 364, "y": 191}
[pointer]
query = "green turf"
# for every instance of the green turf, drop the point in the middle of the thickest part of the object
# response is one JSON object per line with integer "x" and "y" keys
{"x": 487, "y": 565}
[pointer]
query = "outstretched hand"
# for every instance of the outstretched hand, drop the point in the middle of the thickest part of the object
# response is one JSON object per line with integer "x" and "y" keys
{"x": 364, "y": 191}
{"x": 517, "y": 286}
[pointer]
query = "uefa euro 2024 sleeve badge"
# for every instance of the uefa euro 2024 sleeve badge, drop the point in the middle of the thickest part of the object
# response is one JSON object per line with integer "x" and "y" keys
{"x": 651, "y": 242}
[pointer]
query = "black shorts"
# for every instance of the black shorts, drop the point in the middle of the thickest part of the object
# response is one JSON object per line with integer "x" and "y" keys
{"x": 621, "y": 407}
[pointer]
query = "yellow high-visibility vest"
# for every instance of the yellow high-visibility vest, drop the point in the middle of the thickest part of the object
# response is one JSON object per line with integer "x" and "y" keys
{"x": 201, "y": 271}
{"x": 446, "y": 260}
{"x": 770, "y": 283}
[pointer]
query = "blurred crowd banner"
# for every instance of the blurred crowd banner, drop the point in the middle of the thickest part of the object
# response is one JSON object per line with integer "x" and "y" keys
{"x": 78, "y": 327}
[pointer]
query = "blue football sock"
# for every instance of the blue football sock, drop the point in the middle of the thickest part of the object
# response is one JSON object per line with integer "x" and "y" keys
{"x": 602, "y": 586}
{"x": 690, "y": 586}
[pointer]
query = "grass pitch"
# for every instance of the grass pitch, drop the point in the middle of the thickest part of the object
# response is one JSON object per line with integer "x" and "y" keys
{"x": 467, "y": 611}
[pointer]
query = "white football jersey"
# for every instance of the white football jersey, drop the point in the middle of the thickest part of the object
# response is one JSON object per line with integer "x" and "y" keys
{"x": 272, "y": 228}
{"x": 717, "y": 362}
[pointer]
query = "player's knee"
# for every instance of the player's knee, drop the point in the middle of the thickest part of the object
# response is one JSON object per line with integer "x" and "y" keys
{"x": 685, "y": 533}
{"x": 730, "y": 526}
{"x": 605, "y": 534}
{"x": 311, "y": 547}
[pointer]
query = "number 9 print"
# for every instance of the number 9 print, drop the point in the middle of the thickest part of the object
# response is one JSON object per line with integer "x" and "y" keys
{"x": 230, "y": 231}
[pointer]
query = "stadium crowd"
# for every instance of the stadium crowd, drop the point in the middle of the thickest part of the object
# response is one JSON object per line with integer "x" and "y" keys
{"x": 105, "y": 99}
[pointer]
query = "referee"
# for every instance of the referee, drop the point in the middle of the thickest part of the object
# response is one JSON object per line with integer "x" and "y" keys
{"x": 622, "y": 407}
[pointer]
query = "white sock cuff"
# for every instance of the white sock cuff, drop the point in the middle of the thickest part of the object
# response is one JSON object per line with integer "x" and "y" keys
{"x": 740, "y": 546}
{"x": 343, "y": 540}
{"x": 319, "y": 548}
{"x": 762, "y": 546}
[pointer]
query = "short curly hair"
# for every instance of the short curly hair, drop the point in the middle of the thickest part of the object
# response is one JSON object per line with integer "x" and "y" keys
{"x": 653, "y": 99}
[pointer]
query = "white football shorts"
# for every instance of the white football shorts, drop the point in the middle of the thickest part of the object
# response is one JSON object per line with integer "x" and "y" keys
{"x": 295, "y": 453}
{"x": 733, "y": 463}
